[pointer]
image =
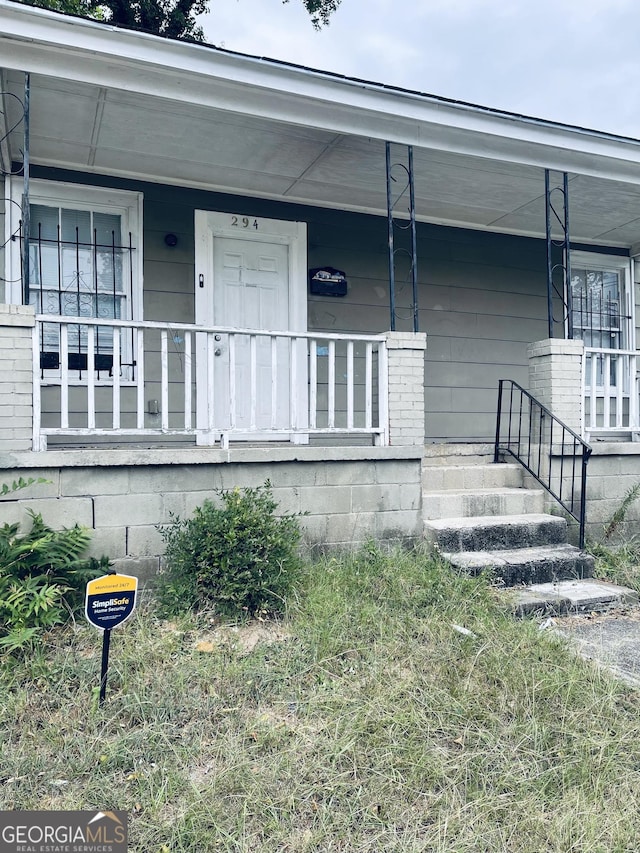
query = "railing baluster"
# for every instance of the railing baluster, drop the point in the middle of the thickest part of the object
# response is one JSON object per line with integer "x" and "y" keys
{"x": 253, "y": 381}
{"x": 350, "y": 385}
{"x": 313, "y": 383}
{"x": 331, "y": 385}
{"x": 583, "y": 496}
{"x": 633, "y": 392}
{"x": 64, "y": 376}
{"x": 619, "y": 391}
{"x": 115, "y": 371}
{"x": 550, "y": 459}
{"x": 91, "y": 379}
{"x": 564, "y": 440}
{"x": 210, "y": 384}
{"x": 164, "y": 380}
{"x": 140, "y": 378}
{"x": 529, "y": 433}
{"x": 38, "y": 442}
{"x": 606, "y": 387}
{"x": 540, "y": 420}
{"x": 187, "y": 380}
{"x": 232, "y": 381}
{"x": 496, "y": 451}
{"x": 368, "y": 386}
{"x": 519, "y": 421}
{"x": 274, "y": 382}
{"x": 293, "y": 385}
{"x": 593, "y": 408}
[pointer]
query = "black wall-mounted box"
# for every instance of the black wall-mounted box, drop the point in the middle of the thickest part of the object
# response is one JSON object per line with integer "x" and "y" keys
{"x": 327, "y": 281}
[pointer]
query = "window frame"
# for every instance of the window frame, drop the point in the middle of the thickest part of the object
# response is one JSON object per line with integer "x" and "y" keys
{"x": 624, "y": 265}
{"x": 125, "y": 203}
{"x": 83, "y": 197}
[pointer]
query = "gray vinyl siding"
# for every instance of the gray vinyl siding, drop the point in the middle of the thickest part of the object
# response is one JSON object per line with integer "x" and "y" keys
{"x": 482, "y": 296}
{"x": 482, "y": 299}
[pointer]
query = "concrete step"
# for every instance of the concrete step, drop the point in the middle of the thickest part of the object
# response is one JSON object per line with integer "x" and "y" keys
{"x": 538, "y": 565}
{"x": 494, "y": 532}
{"x": 438, "y": 478}
{"x": 481, "y": 502}
{"x": 570, "y": 596}
{"x": 457, "y": 454}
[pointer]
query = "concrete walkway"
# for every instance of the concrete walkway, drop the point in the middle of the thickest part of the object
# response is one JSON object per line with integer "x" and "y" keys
{"x": 612, "y": 639}
{"x": 599, "y": 618}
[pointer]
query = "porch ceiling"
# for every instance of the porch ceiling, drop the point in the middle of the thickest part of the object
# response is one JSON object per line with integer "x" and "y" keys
{"x": 111, "y": 131}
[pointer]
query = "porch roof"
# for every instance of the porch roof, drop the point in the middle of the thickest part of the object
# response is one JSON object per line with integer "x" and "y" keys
{"x": 123, "y": 103}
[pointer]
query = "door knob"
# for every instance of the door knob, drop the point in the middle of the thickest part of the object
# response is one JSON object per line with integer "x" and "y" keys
{"x": 217, "y": 351}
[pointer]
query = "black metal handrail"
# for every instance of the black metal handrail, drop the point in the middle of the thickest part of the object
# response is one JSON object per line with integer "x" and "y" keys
{"x": 548, "y": 449}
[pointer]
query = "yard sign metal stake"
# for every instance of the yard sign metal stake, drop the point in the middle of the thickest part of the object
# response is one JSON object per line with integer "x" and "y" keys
{"x": 104, "y": 670}
{"x": 110, "y": 600}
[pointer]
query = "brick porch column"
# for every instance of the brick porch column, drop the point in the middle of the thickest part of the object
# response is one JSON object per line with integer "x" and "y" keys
{"x": 555, "y": 378}
{"x": 405, "y": 352}
{"x": 16, "y": 377}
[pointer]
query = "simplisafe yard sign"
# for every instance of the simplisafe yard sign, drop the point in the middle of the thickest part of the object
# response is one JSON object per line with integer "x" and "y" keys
{"x": 109, "y": 601}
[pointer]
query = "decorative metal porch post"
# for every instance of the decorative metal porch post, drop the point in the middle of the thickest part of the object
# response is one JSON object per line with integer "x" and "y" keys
{"x": 558, "y": 272}
{"x": 399, "y": 224}
{"x": 26, "y": 212}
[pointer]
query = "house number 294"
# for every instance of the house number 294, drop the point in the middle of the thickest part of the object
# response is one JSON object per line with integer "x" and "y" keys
{"x": 244, "y": 222}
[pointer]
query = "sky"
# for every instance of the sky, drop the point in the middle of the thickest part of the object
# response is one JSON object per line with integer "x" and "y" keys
{"x": 573, "y": 61}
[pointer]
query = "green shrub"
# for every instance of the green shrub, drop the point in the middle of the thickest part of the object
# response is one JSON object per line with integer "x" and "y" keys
{"x": 42, "y": 579}
{"x": 237, "y": 557}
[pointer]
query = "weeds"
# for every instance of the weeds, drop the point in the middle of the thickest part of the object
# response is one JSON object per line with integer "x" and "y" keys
{"x": 363, "y": 722}
{"x": 620, "y": 514}
{"x": 619, "y": 563}
{"x": 42, "y": 579}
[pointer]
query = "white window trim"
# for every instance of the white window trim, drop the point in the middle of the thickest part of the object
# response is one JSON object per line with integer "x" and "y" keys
{"x": 620, "y": 263}
{"x": 126, "y": 203}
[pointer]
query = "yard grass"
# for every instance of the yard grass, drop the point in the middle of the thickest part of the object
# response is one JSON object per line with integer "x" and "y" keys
{"x": 619, "y": 564}
{"x": 364, "y": 721}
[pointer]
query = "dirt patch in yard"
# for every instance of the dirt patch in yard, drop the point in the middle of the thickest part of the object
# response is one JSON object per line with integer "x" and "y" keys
{"x": 242, "y": 638}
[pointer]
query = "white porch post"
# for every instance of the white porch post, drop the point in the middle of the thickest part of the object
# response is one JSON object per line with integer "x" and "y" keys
{"x": 16, "y": 377}
{"x": 555, "y": 379}
{"x": 406, "y": 387}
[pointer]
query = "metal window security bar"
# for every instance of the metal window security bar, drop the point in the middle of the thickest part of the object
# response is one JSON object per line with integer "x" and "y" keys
{"x": 78, "y": 268}
{"x": 600, "y": 318}
{"x": 401, "y": 214}
{"x": 558, "y": 253}
{"x": 546, "y": 447}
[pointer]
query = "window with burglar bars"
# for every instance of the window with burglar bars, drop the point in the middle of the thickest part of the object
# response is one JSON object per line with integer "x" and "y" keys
{"x": 80, "y": 266}
{"x": 603, "y": 318}
{"x": 85, "y": 260}
{"x": 598, "y": 301}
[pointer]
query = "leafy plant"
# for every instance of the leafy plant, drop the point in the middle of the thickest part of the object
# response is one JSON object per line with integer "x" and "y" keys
{"x": 42, "y": 578}
{"x": 238, "y": 556}
{"x": 620, "y": 514}
{"x": 20, "y": 483}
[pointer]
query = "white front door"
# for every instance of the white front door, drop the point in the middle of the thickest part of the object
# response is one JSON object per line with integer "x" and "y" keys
{"x": 251, "y": 275}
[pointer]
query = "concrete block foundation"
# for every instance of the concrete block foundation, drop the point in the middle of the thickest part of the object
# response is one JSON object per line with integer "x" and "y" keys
{"x": 349, "y": 495}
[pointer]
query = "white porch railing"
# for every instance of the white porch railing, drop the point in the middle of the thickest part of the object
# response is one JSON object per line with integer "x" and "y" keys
{"x": 610, "y": 391}
{"x": 121, "y": 378}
